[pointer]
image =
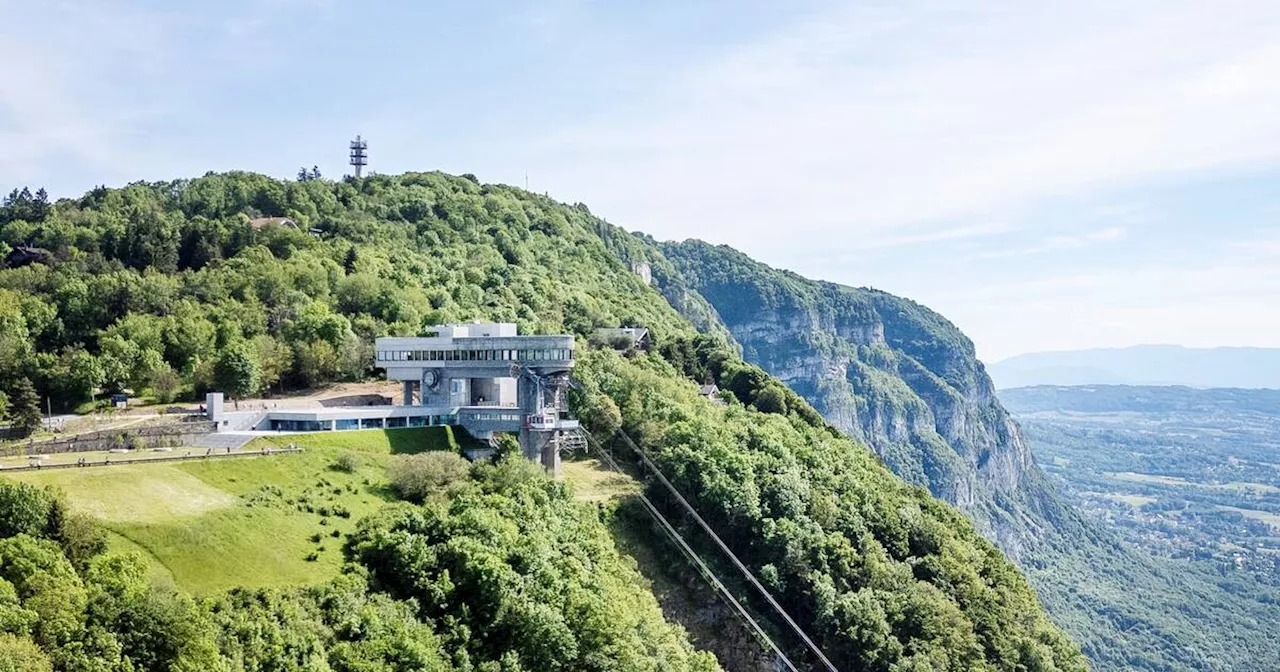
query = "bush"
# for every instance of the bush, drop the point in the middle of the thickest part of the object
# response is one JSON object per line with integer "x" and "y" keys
{"x": 24, "y": 509}
{"x": 346, "y": 463}
{"x": 20, "y": 655}
{"x": 415, "y": 476}
{"x": 79, "y": 535}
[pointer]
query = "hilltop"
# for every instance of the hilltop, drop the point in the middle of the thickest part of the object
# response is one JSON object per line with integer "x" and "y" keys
{"x": 176, "y": 287}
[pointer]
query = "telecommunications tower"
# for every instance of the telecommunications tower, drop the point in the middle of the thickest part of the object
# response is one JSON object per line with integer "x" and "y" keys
{"x": 359, "y": 154}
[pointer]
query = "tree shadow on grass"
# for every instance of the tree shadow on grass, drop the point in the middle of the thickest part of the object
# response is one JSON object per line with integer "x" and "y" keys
{"x": 414, "y": 440}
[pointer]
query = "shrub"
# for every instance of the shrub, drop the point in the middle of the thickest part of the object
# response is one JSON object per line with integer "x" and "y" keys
{"x": 24, "y": 509}
{"x": 346, "y": 463}
{"x": 22, "y": 655}
{"x": 79, "y": 535}
{"x": 415, "y": 476}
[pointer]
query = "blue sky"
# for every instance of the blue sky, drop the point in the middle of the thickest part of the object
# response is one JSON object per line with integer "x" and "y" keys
{"x": 1049, "y": 175}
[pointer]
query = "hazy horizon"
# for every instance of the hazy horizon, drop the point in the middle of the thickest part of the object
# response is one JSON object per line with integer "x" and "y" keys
{"x": 1133, "y": 347}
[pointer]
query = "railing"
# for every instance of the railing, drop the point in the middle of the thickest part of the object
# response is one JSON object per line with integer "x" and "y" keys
{"x": 107, "y": 439}
{"x": 186, "y": 457}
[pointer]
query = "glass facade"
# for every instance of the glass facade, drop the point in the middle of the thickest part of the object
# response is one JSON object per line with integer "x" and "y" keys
{"x": 280, "y": 425}
{"x": 299, "y": 425}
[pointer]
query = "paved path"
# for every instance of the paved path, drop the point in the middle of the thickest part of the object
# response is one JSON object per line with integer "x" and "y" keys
{"x": 223, "y": 440}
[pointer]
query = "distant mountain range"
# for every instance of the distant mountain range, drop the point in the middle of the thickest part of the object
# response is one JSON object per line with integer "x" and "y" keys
{"x": 1143, "y": 365}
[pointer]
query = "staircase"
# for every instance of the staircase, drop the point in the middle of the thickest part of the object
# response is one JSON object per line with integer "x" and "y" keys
{"x": 571, "y": 440}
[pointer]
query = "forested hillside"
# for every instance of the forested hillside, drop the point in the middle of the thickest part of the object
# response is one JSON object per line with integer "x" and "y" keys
{"x": 906, "y": 381}
{"x": 66, "y": 605}
{"x": 172, "y": 288}
{"x": 153, "y": 286}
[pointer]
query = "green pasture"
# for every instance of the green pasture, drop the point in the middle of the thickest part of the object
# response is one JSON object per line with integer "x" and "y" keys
{"x": 251, "y": 521}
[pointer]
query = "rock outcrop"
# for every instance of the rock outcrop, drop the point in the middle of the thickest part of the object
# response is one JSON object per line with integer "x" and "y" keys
{"x": 885, "y": 370}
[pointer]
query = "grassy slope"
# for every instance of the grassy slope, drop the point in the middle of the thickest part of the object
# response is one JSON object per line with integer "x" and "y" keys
{"x": 218, "y": 524}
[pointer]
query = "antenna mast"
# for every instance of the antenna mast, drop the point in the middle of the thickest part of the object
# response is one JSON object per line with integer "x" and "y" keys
{"x": 359, "y": 154}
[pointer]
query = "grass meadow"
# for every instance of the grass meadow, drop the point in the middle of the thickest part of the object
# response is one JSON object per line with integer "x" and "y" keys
{"x": 254, "y": 521}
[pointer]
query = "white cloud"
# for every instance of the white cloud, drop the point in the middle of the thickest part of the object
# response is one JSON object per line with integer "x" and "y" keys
{"x": 919, "y": 236}
{"x": 886, "y": 114}
{"x": 1060, "y": 243}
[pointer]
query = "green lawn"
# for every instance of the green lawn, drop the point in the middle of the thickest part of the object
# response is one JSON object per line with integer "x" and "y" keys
{"x": 251, "y": 521}
{"x": 1265, "y": 516}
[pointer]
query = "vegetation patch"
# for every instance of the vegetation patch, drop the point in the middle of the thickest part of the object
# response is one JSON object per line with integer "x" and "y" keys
{"x": 593, "y": 481}
{"x": 1131, "y": 500}
{"x": 1147, "y": 478}
{"x": 145, "y": 494}
{"x": 1265, "y": 516}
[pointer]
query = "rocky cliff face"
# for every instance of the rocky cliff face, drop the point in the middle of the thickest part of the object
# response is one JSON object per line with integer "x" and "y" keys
{"x": 906, "y": 382}
{"x": 885, "y": 370}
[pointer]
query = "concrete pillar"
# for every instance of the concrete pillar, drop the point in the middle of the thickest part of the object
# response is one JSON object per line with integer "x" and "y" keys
{"x": 550, "y": 455}
{"x": 526, "y": 398}
{"x": 213, "y": 406}
{"x": 408, "y": 393}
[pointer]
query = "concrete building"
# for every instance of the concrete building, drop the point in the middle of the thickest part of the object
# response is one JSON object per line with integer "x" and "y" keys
{"x": 491, "y": 379}
{"x": 485, "y": 378}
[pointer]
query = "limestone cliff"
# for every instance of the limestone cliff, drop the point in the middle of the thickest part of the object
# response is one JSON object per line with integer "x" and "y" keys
{"x": 885, "y": 370}
{"x": 907, "y": 383}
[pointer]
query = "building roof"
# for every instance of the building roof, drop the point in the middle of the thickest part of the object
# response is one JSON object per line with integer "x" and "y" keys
{"x": 708, "y": 390}
{"x": 635, "y": 335}
{"x": 21, "y": 255}
{"x": 263, "y": 221}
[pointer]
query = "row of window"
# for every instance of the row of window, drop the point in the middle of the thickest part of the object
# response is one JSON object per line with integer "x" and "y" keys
{"x": 365, "y": 423}
{"x": 499, "y": 417}
{"x": 553, "y": 354}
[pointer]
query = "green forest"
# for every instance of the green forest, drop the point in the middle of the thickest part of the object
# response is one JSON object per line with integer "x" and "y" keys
{"x": 491, "y": 577}
{"x": 172, "y": 289}
{"x": 169, "y": 289}
{"x": 908, "y": 383}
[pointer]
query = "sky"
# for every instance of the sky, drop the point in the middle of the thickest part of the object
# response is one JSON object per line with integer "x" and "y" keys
{"x": 1047, "y": 175}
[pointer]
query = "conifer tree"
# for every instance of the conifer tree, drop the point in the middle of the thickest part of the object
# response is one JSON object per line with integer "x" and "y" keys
{"x": 24, "y": 407}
